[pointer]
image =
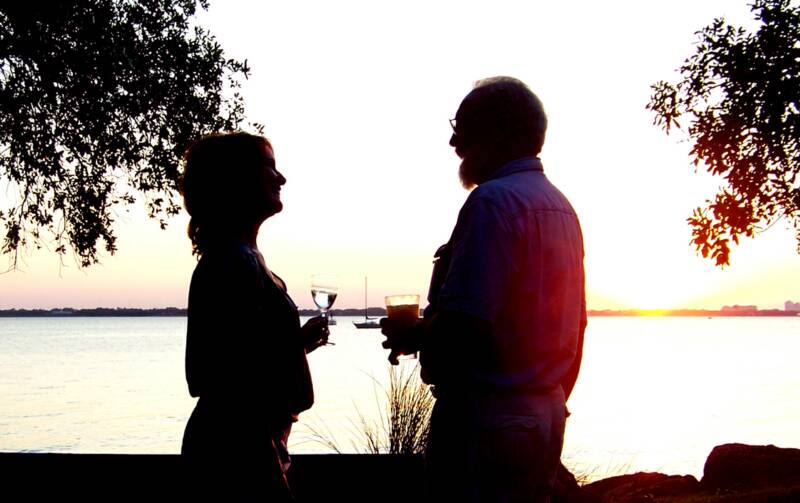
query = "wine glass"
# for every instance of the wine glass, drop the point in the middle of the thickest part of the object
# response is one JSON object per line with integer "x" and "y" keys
{"x": 324, "y": 289}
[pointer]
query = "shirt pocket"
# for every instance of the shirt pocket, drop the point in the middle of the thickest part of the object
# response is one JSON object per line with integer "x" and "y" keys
{"x": 511, "y": 444}
{"x": 509, "y": 421}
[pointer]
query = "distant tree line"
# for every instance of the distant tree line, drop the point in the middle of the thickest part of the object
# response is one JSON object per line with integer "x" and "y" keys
{"x": 692, "y": 312}
{"x": 372, "y": 311}
{"x": 167, "y": 311}
{"x": 95, "y": 312}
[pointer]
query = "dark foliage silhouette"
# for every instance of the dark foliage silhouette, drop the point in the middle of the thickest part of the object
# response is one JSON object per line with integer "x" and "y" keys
{"x": 738, "y": 100}
{"x": 98, "y": 100}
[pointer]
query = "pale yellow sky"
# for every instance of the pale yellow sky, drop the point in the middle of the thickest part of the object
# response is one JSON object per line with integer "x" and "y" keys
{"x": 356, "y": 98}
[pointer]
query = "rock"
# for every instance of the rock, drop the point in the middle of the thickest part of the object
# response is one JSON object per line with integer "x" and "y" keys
{"x": 740, "y": 466}
{"x": 640, "y": 487}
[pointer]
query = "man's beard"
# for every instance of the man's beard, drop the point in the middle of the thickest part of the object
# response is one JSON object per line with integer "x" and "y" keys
{"x": 465, "y": 176}
{"x": 473, "y": 171}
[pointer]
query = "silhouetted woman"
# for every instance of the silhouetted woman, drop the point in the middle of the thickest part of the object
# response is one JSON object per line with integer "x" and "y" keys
{"x": 245, "y": 348}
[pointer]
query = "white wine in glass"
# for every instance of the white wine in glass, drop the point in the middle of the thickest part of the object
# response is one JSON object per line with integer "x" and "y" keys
{"x": 324, "y": 289}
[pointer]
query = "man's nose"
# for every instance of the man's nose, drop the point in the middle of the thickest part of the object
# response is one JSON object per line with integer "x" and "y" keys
{"x": 453, "y": 140}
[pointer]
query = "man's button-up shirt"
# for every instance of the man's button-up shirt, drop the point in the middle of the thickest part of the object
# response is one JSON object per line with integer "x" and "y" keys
{"x": 517, "y": 262}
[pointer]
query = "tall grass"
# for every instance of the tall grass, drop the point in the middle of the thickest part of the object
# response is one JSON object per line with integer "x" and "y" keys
{"x": 403, "y": 420}
{"x": 586, "y": 474}
{"x": 408, "y": 406}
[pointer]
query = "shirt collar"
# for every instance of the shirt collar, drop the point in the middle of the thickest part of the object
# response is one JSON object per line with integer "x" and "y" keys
{"x": 522, "y": 164}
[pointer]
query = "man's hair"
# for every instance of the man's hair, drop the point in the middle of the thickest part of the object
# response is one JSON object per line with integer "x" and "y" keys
{"x": 504, "y": 109}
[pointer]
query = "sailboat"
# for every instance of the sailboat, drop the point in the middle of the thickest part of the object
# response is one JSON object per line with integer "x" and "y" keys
{"x": 368, "y": 322}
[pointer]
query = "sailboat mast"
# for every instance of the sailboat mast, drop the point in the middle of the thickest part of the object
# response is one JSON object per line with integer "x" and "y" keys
{"x": 365, "y": 298}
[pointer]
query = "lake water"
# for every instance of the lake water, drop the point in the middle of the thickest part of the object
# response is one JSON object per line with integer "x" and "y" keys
{"x": 654, "y": 394}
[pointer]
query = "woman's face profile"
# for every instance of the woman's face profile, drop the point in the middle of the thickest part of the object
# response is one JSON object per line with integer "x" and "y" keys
{"x": 268, "y": 186}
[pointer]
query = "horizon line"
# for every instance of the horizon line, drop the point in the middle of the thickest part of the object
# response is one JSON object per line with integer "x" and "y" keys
{"x": 728, "y": 309}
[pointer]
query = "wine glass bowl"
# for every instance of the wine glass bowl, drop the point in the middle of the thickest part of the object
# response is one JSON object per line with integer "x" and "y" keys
{"x": 324, "y": 289}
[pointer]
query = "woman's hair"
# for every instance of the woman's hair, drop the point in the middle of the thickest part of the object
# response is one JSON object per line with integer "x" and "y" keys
{"x": 217, "y": 170}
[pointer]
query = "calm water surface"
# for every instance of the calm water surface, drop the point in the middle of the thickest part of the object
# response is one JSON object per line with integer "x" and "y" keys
{"x": 654, "y": 394}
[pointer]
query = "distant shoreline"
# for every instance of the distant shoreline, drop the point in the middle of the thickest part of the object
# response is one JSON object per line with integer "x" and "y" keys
{"x": 375, "y": 312}
{"x": 167, "y": 311}
{"x": 696, "y": 313}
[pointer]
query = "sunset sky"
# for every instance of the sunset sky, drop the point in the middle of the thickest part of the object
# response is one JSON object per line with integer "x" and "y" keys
{"x": 356, "y": 98}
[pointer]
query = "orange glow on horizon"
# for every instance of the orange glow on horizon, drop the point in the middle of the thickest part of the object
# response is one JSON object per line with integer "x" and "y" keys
{"x": 652, "y": 312}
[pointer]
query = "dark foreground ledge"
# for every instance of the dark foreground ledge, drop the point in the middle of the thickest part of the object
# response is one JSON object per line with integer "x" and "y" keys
{"x": 150, "y": 478}
{"x": 733, "y": 473}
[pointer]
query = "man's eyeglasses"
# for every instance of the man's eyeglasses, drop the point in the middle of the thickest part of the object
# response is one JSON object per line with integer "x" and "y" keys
{"x": 453, "y": 125}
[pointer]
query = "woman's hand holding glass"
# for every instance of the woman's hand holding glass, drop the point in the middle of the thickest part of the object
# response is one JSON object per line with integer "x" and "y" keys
{"x": 315, "y": 333}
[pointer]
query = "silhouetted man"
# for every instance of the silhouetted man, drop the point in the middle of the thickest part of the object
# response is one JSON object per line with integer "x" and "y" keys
{"x": 502, "y": 335}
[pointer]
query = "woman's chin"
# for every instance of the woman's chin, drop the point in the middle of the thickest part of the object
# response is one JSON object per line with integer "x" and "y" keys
{"x": 273, "y": 208}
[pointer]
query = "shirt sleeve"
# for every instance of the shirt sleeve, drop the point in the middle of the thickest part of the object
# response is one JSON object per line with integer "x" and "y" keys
{"x": 482, "y": 261}
{"x": 571, "y": 376}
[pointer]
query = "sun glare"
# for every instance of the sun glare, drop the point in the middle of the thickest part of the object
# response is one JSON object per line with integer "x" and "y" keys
{"x": 652, "y": 312}
{"x": 652, "y": 293}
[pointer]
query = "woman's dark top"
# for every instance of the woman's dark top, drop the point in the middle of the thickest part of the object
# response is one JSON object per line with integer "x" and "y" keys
{"x": 245, "y": 361}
